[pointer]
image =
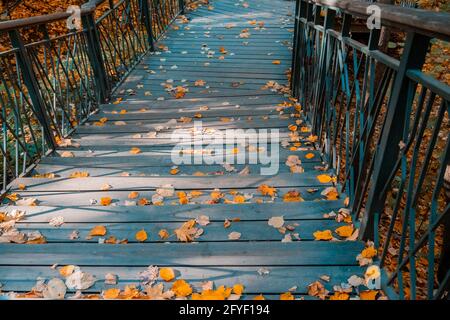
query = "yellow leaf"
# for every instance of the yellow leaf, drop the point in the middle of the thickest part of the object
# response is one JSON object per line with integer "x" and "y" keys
{"x": 67, "y": 270}
{"x": 292, "y": 196}
{"x": 259, "y": 297}
{"x": 368, "y": 294}
{"x": 181, "y": 288}
{"x": 309, "y": 155}
{"x": 79, "y": 174}
{"x": 238, "y": 288}
{"x": 239, "y": 199}
{"x": 133, "y": 195}
{"x": 235, "y": 150}
{"x": 340, "y": 296}
{"x": 287, "y": 296}
{"x": 163, "y": 234}
{"x": 323, "y": 235}
{"x": 167, "y": 274}
{"x": 369, "y": 252}
{"x": 325, "y": 178}
{"x": 182, "y": 197}
{"x": 112, "y": 293}
{"x": 105, "y": 201}
{"x": 267, "y": 191}
{"x": 98, "y": 231}
{"x": 345, "y": 231}
{"x": 141, "y": 235}
{"x": 135, "y": 150}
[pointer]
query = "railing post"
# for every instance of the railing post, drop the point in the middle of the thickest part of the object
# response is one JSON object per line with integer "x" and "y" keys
{"x": 148, "y": 24}
{"x": 31, "y": 82}
{"x": 413, "y": 57}
{"x": 181, "y": 6}
{"x": 95, "y": 56}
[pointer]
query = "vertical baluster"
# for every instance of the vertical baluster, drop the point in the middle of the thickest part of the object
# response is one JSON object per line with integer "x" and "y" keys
{"x": 413, "y": 57}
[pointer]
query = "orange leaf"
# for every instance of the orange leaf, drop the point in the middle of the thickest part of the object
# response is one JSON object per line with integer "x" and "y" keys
{"x": 135, "y": 150}
{"x": 238, "y": 288}
{"x": 167, "y": 274}
{"x": 141, "y": 235}
{"x": 368, "y": 294}
{"x": 133, "y": 195}
{"x": 340, "y": 296}
{"x": 323, "y": 235}
{"x": 345, "y": 231}
{"x": 259, "y": 297}
{"x": 181, "y": 288}
{"x": 276, "y": 62}
{"x": 309, "y": 155}
{"x": 105, "y": 201}
{"x": 163, "y": 234}
{"x": 112, "y": 293}
{"x": 325, "y": 178}
{"x": 98, "y": 231}
{"x": 287, "y": 296}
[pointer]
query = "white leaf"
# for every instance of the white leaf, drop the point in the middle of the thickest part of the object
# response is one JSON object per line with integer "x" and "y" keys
{"x": 234, "y": 235}
{"x": 56, "y": 221}
{"x": 202, "y": 220}
{"x": 276, "y": 222}
{"x": 55, "y": 289}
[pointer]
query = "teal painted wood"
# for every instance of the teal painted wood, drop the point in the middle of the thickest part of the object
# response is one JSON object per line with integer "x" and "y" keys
{"x": 282, "y": 278}
{"x": 104, "y": 153}
{"x": 151, "y": 183}
{"x": 215, "y": 231}
{"x": 308, "y": 210}
{"x": 300, "y": 253}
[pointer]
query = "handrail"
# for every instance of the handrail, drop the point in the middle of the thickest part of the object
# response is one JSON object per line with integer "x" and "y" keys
{"x": 429, "y": 23}
{"x": 382, "y": 123}
{"x": 51, "y": 83}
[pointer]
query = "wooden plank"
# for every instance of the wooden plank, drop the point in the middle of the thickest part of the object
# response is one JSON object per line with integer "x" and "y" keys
{"x": 279, "y": 279}
{"x": 300, "y": 253}
{"x": 246, "y": 212}
{"x": 215, "y": 231}
{"x": 119, "y": 198}
{"x": 104, "y": 171}
{"x": 284, "y": 180}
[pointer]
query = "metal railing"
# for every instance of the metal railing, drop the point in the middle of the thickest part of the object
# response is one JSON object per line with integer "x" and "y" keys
{"x": 383, "y": 124}
{"x": 51, "y": 83}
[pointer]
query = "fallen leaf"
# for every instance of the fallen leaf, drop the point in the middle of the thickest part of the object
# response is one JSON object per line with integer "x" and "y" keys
{"x": 259, "y": 297}
{"x": 167, "y": 274}
{"x": 345, "y": 231}
{"x": 181, "y": 288}
{"x": 276, "y": 62}
{"x": 287, "y": 296}
{"x": 135, "y": 150}
{"x": 234, "y": 235}
{"x": 105, "y": 201}
{"x": 238, "y": 289}
{"x": 163, "y": 234}
{"x": 55, "y": 289}
{"x": 202, "y": 220}
{"x": 323, "y": 235}
{"x": 79, "y": 174}
{"x": 141, "y": 235}
{"x": 276, "y": 222}
{"x": 67, "y": 270}
{"x": 112, "y": 293}
{"x": 98, "y": 231}
{"x": 368, "y": 294}
{"x": 325, "y": 178}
